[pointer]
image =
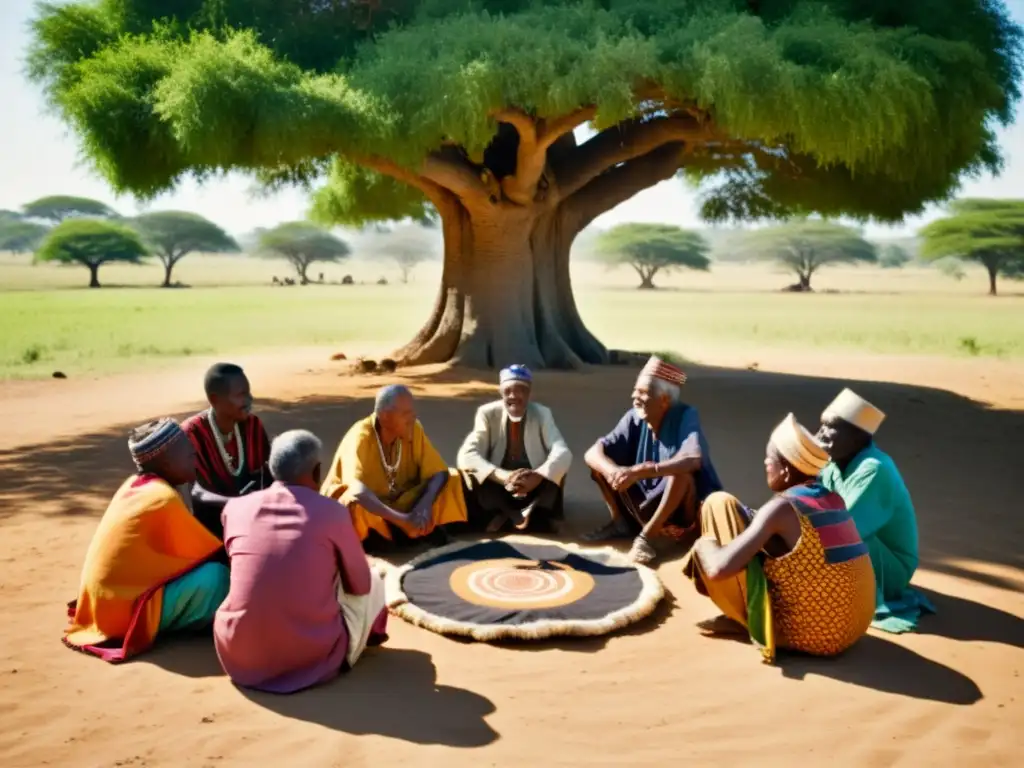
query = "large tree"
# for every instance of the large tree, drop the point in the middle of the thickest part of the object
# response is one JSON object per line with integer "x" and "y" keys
{"x": 867, "y": 108}
{"x": 173, "y": 235}
{"x": 653, "y": 248}
{"x": 18, "y": 235}
{"x": 301, "y": 244}
{"x": 804, "y": 246}
{"x": 57, "y": 208}
{"x": 91, "y": 243}
{"x": 990, "y": 232}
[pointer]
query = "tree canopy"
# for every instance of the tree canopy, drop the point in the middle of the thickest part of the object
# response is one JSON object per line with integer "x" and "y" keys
{"x": 20, "y": 236}
{"x": 91, "y": 243}
{"x": 394, "y": 108}
{"x": 653, "y": 248}
{"x": 301, "y": 244}
{"x": 58, "y": 208}
{"x": 987, "y": 231}
{"x": 804, "y": 246}
{"x": 173, "y": 235}
{"x": 892, "y": 256}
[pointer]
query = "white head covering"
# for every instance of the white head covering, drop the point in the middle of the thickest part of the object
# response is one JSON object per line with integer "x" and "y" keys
{"x": 799, "y": 447}
{"x": 854, "y": 409}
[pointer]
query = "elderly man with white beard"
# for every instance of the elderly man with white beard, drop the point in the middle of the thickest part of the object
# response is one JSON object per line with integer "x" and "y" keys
{"x": 515, "y": 459}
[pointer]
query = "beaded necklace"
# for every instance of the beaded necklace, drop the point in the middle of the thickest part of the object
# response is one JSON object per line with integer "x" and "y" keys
{"x": 221, "y": 439}
{"x": 390, "y": 470}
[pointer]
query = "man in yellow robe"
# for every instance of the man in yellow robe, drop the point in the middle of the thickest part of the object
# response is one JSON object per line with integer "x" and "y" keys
{"x": 389, "y": 475}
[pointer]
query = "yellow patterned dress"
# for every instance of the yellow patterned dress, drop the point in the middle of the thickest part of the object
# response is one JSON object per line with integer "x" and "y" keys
{"x": 823, "y": 592}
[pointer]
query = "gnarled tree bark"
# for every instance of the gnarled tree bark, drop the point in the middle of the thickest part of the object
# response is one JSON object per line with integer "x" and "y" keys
{"x": 509, "y": 225}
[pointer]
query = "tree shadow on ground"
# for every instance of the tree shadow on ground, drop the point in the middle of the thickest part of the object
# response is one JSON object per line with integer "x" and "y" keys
{"x": 884, "y": 666}
{"x": 394, "y": 693}
{"x": 956, "y": 455}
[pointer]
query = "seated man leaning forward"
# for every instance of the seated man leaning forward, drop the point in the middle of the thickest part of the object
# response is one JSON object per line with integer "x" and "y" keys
{"x": 873, "y": 489}
{"x": 654, "y": 469}
{"x": 303, "y": 604}
{"x": 147, "y": 572}
{"x": 516, "y": 456}
{"x": 795, "y": 573}
{"x": 231, "y": 445}
{"x": 390, "y": 476}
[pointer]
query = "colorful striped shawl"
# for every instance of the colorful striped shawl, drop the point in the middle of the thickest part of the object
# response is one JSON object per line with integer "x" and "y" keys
{"x": 826, "y": 511}
{"x": 210, "y": 470}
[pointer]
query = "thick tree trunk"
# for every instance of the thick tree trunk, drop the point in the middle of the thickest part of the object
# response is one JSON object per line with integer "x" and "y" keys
{"x": 506, "y": 294}
{"x": 168, "y": 269}
{"x": 94, "y": 275}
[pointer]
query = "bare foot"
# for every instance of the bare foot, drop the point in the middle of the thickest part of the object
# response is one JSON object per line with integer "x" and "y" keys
{"x": 722, "y": 625}
{"x": 642, "y": 552}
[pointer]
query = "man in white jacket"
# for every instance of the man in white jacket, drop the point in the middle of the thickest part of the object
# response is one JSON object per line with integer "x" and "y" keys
{"x": 515, "y": 457}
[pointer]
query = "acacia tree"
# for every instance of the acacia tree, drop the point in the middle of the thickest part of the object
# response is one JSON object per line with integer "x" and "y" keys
{"x": 91, "y": 243}
{"x": 478, "y": 107}
{"x": 18, "y": 235}
{"x": 173, "y": 235}
{"x": 892, "y": 256}
{"x": 408, "y": 245}
{"x": 301, "y": 244}
{"x": 805, "y": 246}
{"x": 990, "y": 232}
{"x": 57, "y": 208}
{"x": 653, "y": 248}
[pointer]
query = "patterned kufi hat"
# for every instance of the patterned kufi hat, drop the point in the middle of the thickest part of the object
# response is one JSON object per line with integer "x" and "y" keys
{"x": 162, "y": 434}
{"x": 515, "y": 373}
{"x": 656, "y": 368}
{"x": 799, "y": 447}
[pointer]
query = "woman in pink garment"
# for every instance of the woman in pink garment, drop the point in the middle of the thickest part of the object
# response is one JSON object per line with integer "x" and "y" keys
{"x": 303, "y": 604}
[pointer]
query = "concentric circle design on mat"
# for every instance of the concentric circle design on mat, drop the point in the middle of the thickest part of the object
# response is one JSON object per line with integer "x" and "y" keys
{"x": 499, "y": 590}
{"x": 518, "y": 584}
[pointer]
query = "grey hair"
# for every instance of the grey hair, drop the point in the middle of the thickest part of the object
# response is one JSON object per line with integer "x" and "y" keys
{"x": 661, "y": 387}
{"x": 293, "y": 454}
{"x": 388, "y": 396}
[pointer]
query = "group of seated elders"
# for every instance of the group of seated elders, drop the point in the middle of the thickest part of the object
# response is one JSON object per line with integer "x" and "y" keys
{"x": 837, "y": 542}
{"x": 654, "y": 469}
{"x": 515, "y": 460}
{"x": 795, "y": 572}
{"x": 147, "y": 572}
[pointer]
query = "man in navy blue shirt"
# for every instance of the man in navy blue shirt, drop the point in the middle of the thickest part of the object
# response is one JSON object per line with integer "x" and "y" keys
{"x": 654, "y": 469}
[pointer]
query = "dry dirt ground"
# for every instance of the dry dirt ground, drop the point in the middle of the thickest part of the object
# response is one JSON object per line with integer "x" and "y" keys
{"x": 658, "y": 694}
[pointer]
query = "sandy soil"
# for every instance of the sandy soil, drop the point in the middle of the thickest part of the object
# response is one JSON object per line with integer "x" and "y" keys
{"x": 658, "y": 694}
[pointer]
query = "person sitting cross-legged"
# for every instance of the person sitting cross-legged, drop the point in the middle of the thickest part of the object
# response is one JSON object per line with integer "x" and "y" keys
{"x": 147, "y": 573}
{"x": 390, "y": 476}
{"x": 303, "y": 603}
{"x": 516, "y": 457}
{"x": 654, "y": 469}
{"x": 795, "y": 573}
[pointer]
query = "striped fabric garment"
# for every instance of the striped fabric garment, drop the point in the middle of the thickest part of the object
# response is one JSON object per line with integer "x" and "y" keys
{"x": 210, "y": 470}
{"x": 826, "y": 511}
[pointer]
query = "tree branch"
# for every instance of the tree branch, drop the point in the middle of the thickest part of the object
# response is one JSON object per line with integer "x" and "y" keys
{"x": 535, "y": 138}
{"x": 624, "y": 142}
{"x": 620, "y": 183}
{"x": 439, "y": 178}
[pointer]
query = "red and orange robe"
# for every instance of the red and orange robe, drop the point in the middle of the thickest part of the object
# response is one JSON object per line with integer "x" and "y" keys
{"x": 213, "y": 475}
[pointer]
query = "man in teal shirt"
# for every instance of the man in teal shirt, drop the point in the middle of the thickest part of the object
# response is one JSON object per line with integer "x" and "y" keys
{"x": 878, "y": 500}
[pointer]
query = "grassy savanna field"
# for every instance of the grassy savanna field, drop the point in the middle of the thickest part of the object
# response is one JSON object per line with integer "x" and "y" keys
{"x": 49, "y": 321}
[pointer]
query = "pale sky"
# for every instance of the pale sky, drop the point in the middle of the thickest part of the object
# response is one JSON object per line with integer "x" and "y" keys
{"x": 39, "y": 157}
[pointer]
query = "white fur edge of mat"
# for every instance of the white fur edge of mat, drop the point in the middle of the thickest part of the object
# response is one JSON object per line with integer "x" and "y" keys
{"x": 651, "y": 593}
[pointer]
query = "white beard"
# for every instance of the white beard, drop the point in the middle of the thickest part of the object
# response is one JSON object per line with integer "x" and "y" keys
{"x": 514, "y": 419}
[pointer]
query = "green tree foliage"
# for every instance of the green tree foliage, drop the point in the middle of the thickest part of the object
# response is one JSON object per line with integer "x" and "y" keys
{"x": 772, "y": 107}
{"x": 301, "y": 244}
{"x": 91, "y": 243}
{"x": 892, "y": 256}
{"x": 20, "y": 236}
{"x": 58, "y": 208}
{"x": 804, "y": 246}
{"x": 653, "y": 248}
{"x": 173, "y": 235}
{"x": 990, "y": 232}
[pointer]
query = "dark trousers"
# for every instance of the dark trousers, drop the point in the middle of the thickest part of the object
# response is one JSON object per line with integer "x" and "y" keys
{"x": 637, "y": 507}
{"x": 489, "y": 499}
